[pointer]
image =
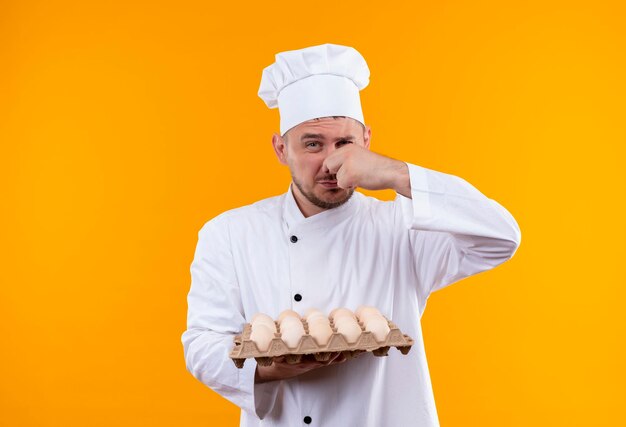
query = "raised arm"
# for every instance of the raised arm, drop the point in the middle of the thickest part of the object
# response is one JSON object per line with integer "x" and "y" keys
{"x": 455, "y": 231}
{"x": 466, "y": 232}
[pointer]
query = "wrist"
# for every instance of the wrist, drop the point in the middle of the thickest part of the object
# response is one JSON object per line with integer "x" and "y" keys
{"x": 259, "y": 378}
{"x": 401, "y": 182}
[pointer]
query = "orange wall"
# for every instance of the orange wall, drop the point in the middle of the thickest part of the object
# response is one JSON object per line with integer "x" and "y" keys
{"x": 125, "y": 127}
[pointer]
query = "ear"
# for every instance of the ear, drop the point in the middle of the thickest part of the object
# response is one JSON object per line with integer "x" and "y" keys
{"x": 367, "y": 135}
{"x": 280, "y": 148}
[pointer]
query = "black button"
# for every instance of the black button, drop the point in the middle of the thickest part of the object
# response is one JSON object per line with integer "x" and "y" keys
{"x": 307, "y": 420}
{"x": 293, "y": 239}
{"x": 297, "y": 297}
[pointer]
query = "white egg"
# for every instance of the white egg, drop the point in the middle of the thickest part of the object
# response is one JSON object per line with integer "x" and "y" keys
{"x": 340, "y": 312}
{"x": 318, "y": 319}
{"x": 339, "y": 320}
{"x": 272, "y": 325}
{"x": 259, "y": 316}
{"x": 378, "y": 327}
{"x": 314, "y": 316}
{"x": 340, "y": 316}
{"x": 291, "y": 336}
{"x": 349, "y": 329}
{"x": 365, "y": 311}
{"x": 264, "y": 320}
{"x": 319, "y": 322}
{"x": 321, "y": 332}
{"x": 288, "y": 313}
{"x": 311, "y": 311}
{"x": 262, "y": 337}
{"x": 360, "y": 309}
{"x": 291, "y": 323}
{"x": 368, "y": 317}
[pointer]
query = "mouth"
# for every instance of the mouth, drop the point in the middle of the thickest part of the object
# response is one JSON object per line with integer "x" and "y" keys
{"x": 328, "y": 183}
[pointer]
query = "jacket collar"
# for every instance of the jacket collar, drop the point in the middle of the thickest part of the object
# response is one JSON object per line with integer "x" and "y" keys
{"x": 293, "y": 217}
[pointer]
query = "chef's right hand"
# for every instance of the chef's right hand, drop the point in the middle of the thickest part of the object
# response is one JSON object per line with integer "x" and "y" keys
{"x": 281, "y": 370}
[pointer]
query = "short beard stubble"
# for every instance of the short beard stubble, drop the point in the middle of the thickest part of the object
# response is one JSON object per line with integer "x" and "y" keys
{"x": 319, "y": 202}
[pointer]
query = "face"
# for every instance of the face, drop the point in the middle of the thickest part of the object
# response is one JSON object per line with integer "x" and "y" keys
{"x": 305, "y": 147}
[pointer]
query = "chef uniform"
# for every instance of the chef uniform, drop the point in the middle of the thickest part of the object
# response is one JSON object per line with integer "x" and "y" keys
{"x": 267, "y": 257}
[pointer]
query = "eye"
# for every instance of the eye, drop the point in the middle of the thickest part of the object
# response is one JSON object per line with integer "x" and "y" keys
{"x": 344, "y": 142}
{"x": 312, "y": 144}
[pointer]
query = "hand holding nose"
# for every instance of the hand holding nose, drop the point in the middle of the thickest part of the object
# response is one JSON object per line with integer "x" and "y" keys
{"x": 356, "y": 166}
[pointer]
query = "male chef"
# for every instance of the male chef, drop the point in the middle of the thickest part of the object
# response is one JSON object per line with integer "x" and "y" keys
{"x": 322, "y": 245}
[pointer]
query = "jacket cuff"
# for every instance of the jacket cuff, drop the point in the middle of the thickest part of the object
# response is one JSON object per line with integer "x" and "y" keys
{"x": 260, "y": 397}
{"x": 418, "y": 210}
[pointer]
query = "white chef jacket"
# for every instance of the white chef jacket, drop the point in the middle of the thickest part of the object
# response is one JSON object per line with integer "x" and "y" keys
{"x": 391, "y": 255}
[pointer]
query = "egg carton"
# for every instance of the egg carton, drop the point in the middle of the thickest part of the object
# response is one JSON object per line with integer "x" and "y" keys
{"x": 245, "y": 348}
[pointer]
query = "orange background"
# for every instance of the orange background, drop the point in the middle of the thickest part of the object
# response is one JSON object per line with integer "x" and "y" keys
{"x": 125, "y": 126}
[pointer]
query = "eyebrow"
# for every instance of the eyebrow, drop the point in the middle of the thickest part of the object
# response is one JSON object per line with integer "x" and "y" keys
{"x": 321, "y": 136}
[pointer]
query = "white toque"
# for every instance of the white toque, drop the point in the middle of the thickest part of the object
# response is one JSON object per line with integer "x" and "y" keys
{"x": 317, "y": 81}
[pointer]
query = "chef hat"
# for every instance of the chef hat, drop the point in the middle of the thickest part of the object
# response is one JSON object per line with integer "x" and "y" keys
{"x": 317, "y": 81}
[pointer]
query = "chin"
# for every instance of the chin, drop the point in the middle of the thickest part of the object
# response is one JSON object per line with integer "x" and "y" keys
{"x": 325, "y": 198}
{"x": 333, "y": 195}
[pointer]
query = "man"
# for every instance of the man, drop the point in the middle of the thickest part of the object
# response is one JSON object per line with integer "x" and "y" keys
{"x": 322, "y": 245}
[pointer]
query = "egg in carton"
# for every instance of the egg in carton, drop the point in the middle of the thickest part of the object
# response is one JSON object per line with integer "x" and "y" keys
{"x": 365, "y": 341}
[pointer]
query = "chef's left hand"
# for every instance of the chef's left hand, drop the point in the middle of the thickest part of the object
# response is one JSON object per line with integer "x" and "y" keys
{"x": 356, "y": 166}
{"x": 282, "y": 370}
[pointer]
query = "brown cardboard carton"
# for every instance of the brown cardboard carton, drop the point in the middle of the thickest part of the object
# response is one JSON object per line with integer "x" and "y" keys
{"x": 245, "y": 348}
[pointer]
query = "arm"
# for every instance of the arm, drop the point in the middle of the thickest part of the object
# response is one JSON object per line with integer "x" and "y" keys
{"x": 456, "y": 231}
{"x": 215, "y": 316}
{"x": 470, "y": 233}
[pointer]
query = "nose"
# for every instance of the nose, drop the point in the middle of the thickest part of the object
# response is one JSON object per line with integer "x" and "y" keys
{"x": 328, "y": 151}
